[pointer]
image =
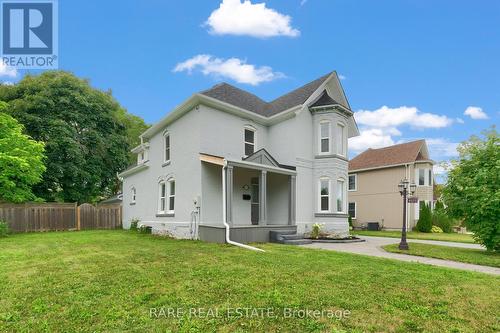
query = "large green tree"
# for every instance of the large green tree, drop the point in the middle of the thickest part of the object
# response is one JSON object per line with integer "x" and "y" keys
{"x": 85, "y": 139}
{"x": 134, "y": 126}
{"x": 472, "y": 191}
{"x": 21, "y": 160}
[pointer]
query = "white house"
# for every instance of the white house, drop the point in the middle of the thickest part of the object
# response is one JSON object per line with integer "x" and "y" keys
{"x": 225, "y": 155}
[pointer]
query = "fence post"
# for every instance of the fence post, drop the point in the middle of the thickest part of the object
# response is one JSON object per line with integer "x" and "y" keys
{"x": 78, "y": 225}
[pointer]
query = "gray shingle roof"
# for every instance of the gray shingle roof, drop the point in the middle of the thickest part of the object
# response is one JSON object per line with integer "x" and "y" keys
{"x": 324, "y": 99}
{"x": 243, "y": 99}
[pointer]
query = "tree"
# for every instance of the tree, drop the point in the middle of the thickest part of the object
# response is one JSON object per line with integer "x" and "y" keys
{"x": 424, "y": 223}
{"x": 134, "y": 126}
{"x": 472, "y": 190}
{"x": 21, "y": 160}
{"x": 85, "y": 140}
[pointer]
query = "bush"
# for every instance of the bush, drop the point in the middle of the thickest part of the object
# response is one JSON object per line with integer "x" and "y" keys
{"x": 424, "y": 223}
{"x": 436, "y": 230}
{"x": 4, "y": 229}
{"x": 442, "y": 220}
{"x": 133, "y": 224}
{"x": 316, "y": 230}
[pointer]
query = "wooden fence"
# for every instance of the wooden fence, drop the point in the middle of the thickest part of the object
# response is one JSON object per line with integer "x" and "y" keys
{"x": 33, "y": 217}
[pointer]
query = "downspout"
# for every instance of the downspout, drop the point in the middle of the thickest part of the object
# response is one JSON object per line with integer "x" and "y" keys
{"x": 224, "y": 215}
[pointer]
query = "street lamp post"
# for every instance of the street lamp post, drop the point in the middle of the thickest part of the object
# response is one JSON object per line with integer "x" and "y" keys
{"x": 405, "y": 188}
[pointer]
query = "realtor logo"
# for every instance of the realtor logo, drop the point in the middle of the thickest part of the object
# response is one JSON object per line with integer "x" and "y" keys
{"x": 29, "y": 33}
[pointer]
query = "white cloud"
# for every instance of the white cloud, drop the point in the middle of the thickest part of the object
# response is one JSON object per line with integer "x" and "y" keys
{"x": 403, "y": 115}
{"x": 234, "y": 17}
{"x": 459, "y": 120}
{"x": 7, "y": 83}
{"x": 232, "y": 68}
{"x": 372, "y": 138}
{"x": 342, "y": 77}
{"x": 7, "y": 70}
{"x": 440, "y": 147}
{"x": 475, "y": 112}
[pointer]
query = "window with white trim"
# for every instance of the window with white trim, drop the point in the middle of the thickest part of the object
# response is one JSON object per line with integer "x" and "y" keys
{"x": 249, "y": 139}
{"x": 166, "y": 147}
{"x": 133, "y": 195}
{"x": 166, "y": 200}
{"x": 353, "y": 180}
{"x": 352, "y": 210}
{"x": 340, "y": 195}
{"x": 324, "y": 137}
{"x": 424, "y": 176}
{"x": 341, "y": 139}
{"x": 421, "y": 177}
{"x": 324, "y": 195}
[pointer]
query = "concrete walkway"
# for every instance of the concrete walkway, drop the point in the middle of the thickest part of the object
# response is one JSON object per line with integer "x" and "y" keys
{"x": 373, "y": 247}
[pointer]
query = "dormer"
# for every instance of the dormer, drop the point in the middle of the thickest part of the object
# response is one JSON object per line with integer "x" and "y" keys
{"x": 142, "y": 152}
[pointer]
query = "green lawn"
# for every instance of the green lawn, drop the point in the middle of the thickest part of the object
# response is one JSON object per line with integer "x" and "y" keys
{"x": 471, "y": 256}
{"x": 453, "y": 237}
{"x": 109, "y": 281}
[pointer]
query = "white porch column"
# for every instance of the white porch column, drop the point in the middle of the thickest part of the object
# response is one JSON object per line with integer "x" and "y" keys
{"x": 229, "y": 194}
{"x": 263, "y": 198}
{"x": 292, "y": 200}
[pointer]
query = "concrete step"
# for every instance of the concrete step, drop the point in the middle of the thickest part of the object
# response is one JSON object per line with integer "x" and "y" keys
{"x": 275, "y": 235}
{"x": 290, "y": 237}
{"x": 296, "y": 241}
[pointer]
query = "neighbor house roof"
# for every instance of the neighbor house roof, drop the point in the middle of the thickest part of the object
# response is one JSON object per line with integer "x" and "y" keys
{"x": 243, "y": 99}
{"x": 394, "y": 155}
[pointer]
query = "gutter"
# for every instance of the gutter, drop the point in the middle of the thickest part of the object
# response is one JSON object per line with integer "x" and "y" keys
{"x": 224, "y": 215}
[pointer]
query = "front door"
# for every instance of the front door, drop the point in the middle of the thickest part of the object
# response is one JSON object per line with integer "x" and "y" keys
{"x": 254, "y": 183}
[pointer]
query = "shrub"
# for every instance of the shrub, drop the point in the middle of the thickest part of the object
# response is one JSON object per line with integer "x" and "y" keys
{"x": 316, "y": 230}
{"x": 133, "y": 224}
{"x": 442, "y": 220}
{"x": 436, "y": 230}
{"x": 4, "y": 229}
{"x": 144, "y": 229}
{"x": 424, "y": 223}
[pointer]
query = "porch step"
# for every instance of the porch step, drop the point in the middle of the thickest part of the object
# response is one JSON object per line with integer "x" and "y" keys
{"x": 287, "y": 237}
{"x": 296, "y": 241}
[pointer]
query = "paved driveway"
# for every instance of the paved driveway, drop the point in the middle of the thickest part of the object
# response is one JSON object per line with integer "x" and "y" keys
{"x": 373, "y": 247}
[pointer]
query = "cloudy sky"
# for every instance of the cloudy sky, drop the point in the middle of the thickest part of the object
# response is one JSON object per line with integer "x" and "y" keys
{"x": 411, "y": 68}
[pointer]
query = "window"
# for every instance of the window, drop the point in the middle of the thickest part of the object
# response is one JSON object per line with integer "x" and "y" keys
{"x": 133, "y": 194}
{"x": 249, "y": 141}
{"x": 430, "y": 177}
{"x": 324, "y": 137}
{"x": 167, "y": 197}
{"x": 324, "y": 195}
{"x": 163, "y": 195}
{"x": 171, "y": 196}
{"x": 166, "y": 151}
{"x": 421, "y": 176}
{"x": 352, "y": 210}
{"x": 340, "y": 195}
{"x": 353, "y": 182}
{"x": 340, "y": 140}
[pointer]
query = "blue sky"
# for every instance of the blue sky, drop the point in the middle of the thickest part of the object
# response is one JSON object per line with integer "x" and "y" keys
{"x": 426, "y": 61}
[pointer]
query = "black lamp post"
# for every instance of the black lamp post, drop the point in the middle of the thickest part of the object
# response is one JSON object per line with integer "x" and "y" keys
{"x": 405, "y": 188}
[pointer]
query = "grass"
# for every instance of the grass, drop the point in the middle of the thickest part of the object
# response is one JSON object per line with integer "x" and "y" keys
{"x": 452, "y": 237}
{"x": 109, "y": 281}
{"x": 471, "y": 256}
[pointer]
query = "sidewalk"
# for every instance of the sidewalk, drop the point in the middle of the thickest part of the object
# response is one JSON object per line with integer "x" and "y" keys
{"x": 373, "y": 247}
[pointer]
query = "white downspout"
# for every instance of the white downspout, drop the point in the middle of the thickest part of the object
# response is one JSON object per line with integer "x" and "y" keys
{"x": 224, "y": 215}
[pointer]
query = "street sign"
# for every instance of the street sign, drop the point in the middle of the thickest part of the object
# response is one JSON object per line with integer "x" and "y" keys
{"x": 413, "y": 200}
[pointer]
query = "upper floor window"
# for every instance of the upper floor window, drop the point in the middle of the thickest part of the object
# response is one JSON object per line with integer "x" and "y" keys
{"x": 353, "y": 179}
{"x": 341, "y": 142}
{"x": 166, "y": 148}
{"x": 324, "y": 137}
{"x": 424, "y": 177}
{"x": 324, "y": 195}
{"x": 249, "y": 138}
{"x": 340, "y": 195}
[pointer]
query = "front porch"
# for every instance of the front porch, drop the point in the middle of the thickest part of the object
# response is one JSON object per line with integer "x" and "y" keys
{"x": 259, "y": 196}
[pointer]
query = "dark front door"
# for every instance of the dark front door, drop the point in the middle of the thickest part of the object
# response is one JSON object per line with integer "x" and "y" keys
{"x": 254, "y": 184}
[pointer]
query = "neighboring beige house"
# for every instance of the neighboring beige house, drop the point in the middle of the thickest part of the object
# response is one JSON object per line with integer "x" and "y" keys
{"x": 374, "y": 175}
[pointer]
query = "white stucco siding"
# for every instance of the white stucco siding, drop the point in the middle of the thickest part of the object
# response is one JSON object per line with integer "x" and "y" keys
{"x": 223, "y": 133}
{"x": 184, "y": 168}
{"x": 277, "y": 199}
